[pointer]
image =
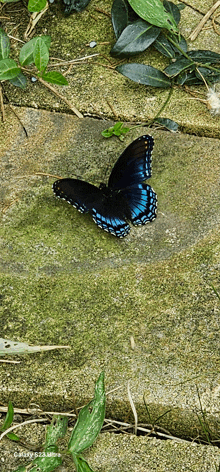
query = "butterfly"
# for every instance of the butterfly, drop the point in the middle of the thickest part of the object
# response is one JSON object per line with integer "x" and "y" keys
{"x": 125, "y": 198}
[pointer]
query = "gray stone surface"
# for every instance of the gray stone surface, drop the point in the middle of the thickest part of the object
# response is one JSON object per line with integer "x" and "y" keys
{"x": 65, "y": 281}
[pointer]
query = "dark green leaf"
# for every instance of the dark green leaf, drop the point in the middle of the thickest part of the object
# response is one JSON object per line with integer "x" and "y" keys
{"x": 8, "y": 69}
{"x": 49, "y": 460}
{"x": 173, "y": 9}
{"x": 90, "y": 420}
{"x": 75, "y": 5}
{"x": 154, "y": 12}
{"x": 54, "y": 77}
{"x": 167, "y": 123}
{"x": 19, "y": 81}
{"x": 164, "y": 46}
{"x": 4, "y": 45}
{"x": 188, "y": 78}
{"x": 27, "y": 51}
{"x": 208, "y": 74}
{"x": 178, "y": 66}
{"x": 204, "y": 56}
{"x": 81, "y": 464}
{"x": 36, "y": 5}
{"x": 57, "y": 429}
{"x": 9, "y": 417}
{"x": 41, "y": 54}
{"x": 135, "y": 38}
{"x": 146, "y": 75}
{"x": 119, "y": 16}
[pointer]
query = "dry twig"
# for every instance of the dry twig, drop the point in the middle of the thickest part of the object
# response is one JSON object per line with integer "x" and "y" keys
{"x": 199, "y": 27}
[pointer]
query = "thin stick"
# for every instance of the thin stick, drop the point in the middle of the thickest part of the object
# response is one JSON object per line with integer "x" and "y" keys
{"x": 74, "y": 109}
{"x": 2, "y": 105}
{"x": 133, "y": 410}
{"x": 199, "y": 27}
{"x": 19, "y": 425}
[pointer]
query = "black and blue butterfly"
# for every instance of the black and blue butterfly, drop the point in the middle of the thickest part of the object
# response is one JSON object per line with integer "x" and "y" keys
{"x": 125, "y": 198}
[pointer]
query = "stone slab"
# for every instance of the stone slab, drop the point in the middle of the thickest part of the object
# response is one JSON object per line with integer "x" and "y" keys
{"x": 118, "y": 97}
{"x": 65, "y": 281}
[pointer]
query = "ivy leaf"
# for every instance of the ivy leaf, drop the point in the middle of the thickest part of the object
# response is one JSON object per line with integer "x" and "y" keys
{"x": 75, "y": 5}
{"x": 36, "y": 5}
{"x": 188, "y": 78}
{"x": 204, "y": 56}
{"x": 19, "y": 81}
{"x": 41, "y": 54}
{"x": 178, "y": 66}
{"x": 154, "y": 12}
{"x": 163, "y": 45}
{"x": 4, "y": 45}
{"x": 143, "y": 74}
{"x": 8, "y": 69}
{"x": 173, "y": 9}
{"x": 119, "y": 15}
{"x": 135, "y": 38}
{"x": 54, "y": 77}
{"x": 26, "y": 56}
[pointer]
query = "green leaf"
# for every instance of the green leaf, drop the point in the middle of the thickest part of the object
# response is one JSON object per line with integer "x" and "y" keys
{"x": 90, "y": 420}
{"x": 119, "y": 16}
{"x": 178, "y": 66}
{"x": 81, "y": 464}
{"x": 54, "y": 78}
{"x": 36, "y": 5}
{"x": 118, "y": 130}
{"x": 107, "y": 133}
{"x": 22, "y": 468}
{"x": 167, "y": 123}
{"x": 49, "y": 460}
{"x": 57, "y": 429}
{"x": 173, "y": 9}
{"x": 27, "y": 51}
{"x": 188, "y": 78}
{"x": 9, "y": 417}
{"x": 146, "y": 75}
{"x": 154, "y": 12}
{"x": 8, "y": 69}
{"x": 4, "y": 45}
{"x": 13, "y": 437}
{"x": 163, "y": 45}
{"x": 19, "y": 81}
{"x": 204, "y": 56}
{"x": 135, "y": 38}
{"x": 41, "y": 54}
{"x": 208, "y": 74}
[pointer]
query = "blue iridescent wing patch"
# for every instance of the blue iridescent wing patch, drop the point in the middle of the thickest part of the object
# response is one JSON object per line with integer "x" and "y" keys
{"x": 125, "y": 198}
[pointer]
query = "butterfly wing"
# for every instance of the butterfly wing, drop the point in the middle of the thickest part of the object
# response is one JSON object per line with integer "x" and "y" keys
{"x": 142, "y": 202}
{"x": 134, "y": 164}
{"x": 108, "y": 209}
{"x": 80, "y": 194}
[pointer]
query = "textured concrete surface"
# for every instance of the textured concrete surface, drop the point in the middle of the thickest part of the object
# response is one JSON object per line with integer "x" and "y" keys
{"x": 95, "y": 88}
{"x": 65, "y": 281}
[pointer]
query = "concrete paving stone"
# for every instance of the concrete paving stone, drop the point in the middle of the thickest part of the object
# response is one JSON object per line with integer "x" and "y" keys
{"x": 118, "y": 97}
{"x": 113, "y": 452}
{"x": 65, "y": 281}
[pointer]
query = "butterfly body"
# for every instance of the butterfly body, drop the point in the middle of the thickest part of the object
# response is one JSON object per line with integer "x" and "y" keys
{"x": 125, "y": 198}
